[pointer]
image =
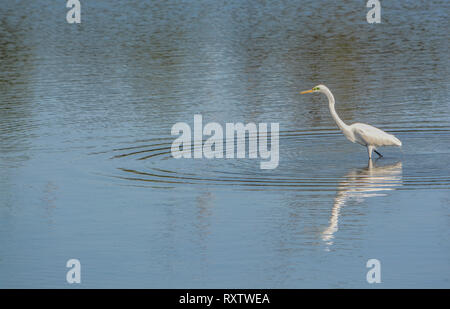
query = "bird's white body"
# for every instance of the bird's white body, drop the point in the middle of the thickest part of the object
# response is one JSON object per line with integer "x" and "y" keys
{"x": 361, "y": 133}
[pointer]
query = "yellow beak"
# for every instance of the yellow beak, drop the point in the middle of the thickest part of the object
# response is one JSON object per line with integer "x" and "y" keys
{"x": 306, "y": 91}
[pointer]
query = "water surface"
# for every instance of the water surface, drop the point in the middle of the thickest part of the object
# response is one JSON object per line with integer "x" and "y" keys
{"x": 86, "y": 171}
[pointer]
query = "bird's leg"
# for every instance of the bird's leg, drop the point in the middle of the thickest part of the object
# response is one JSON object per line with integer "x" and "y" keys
{"x": 379, "y": 154}
{"x": 369, "y": 151}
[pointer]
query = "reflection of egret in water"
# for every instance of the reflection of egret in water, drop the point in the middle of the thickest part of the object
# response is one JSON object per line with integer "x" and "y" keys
{"x": 360, "y": 184}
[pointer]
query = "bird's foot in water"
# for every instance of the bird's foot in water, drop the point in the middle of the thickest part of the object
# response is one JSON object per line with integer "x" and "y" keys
{"x": 379, "y": 154}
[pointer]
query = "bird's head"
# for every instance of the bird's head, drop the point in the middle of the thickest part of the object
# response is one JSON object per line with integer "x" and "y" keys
{"x": 318, "y": 88}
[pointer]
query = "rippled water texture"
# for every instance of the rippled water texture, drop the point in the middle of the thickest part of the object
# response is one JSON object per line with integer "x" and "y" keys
{"x": 86, "y": 170}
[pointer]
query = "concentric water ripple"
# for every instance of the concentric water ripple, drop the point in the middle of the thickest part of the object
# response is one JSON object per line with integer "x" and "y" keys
{"x": 149, "y": 162}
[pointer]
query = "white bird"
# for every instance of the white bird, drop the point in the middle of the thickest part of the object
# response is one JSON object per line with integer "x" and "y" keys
{"x": 361, "y": 133}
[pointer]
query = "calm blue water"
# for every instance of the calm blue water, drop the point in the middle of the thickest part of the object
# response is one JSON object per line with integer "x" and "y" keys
{"x": 85, "y": 165}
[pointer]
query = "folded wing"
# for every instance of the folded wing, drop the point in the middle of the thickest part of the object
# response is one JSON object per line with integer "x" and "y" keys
{"x": 368, "y": 135}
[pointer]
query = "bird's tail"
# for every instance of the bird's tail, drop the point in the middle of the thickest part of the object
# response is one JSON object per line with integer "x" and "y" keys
{"x": 397, "y": 142}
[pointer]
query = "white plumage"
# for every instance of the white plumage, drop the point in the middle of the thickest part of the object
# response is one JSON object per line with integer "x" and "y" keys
{"x": 361, "y": 133}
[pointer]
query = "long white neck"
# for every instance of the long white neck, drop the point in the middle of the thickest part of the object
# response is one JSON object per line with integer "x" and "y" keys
{"x": 344, "y": 128}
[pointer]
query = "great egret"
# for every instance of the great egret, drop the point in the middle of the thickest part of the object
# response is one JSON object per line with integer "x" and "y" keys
{"x": 361, "y": 133}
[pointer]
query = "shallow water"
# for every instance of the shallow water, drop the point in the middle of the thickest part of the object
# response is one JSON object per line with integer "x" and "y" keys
{"x": 86, "y": 170}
